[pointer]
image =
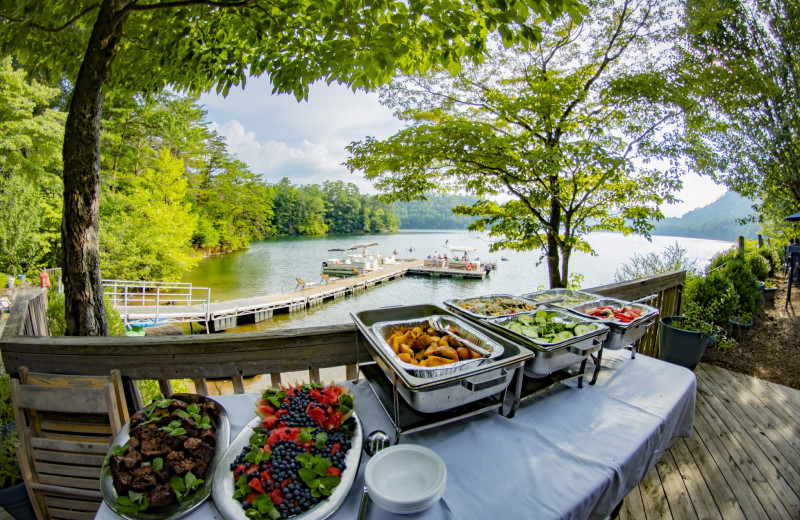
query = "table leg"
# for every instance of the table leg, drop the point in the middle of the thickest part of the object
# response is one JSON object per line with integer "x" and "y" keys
{"x": 789, "y": 288}
{"x": 583, "y": 369}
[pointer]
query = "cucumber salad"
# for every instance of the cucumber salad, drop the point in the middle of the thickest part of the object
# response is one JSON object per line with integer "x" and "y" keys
{"x": 547, "y": 327}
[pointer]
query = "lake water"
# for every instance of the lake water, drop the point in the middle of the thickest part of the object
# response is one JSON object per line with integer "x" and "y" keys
{"x": 271, "y": 266}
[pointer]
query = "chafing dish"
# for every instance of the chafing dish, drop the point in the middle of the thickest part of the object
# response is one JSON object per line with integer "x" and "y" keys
{"x": 384, "y": 329}
{"x": 621, "y": 333}
{"x": 491, "y": 305}
{"x": 443, "y": 389}
{"x": 565, "y": 298}
{"x": 551, "y": 357}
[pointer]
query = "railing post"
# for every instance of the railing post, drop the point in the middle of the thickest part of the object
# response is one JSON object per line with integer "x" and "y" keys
{"x": 760, "y": 241}
{"x": 741, "y": 244}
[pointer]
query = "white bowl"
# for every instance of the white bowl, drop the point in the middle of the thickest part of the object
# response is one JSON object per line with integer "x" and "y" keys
{"x": 405, "y": 478}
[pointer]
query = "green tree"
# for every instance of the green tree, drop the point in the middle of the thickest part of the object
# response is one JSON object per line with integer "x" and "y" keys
{"x": 30, "y": 138}
{"x": 20, "y": 216}
{"x": 743, "y": 61}
{"x": 147, "y": 232}
{"x": 197, "y": 45}
{"x": 557, "y": 127}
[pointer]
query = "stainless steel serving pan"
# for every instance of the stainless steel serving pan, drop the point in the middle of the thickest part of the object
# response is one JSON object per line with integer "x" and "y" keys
{"x": 621, "y": 334}
{"x": 551, "y": 357}
{"x": 444, "y": 390}
{"x": 384, "y": 329}
{"x": 565, "y": 298}
{"x": 457, "y": 305}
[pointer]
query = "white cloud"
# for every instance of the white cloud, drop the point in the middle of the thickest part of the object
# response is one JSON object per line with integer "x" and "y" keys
{"x": 277, "y": 136}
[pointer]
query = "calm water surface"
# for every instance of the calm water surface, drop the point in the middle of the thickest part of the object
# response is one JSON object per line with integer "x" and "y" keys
{"x": 271, "y": 266}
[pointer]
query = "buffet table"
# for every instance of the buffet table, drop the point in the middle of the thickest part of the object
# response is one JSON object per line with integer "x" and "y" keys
{"x": 569, "y": 453}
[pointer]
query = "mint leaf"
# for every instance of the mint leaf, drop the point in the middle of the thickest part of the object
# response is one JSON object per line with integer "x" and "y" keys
{"x": 322, "y": 438}
{"x": 158, "y": 464}
{"x": 193, "y": 409}
{"x": 263, "y": 503}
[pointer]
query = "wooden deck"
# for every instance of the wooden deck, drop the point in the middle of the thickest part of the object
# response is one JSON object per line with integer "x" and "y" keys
{"x": 742, "y": 461}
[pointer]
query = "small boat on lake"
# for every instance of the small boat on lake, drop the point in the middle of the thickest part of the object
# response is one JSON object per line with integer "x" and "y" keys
{"x": 358, "y": 257}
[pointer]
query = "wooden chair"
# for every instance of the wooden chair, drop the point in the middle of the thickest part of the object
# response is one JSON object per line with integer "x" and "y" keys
{"x": 328, "y": 279}
{"x": 66, "y": 425}
{"x": 304, "y": 285}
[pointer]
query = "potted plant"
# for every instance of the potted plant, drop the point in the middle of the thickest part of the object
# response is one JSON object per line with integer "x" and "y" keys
{"x": 13, "y": 494}
{"x": 740, "y": 324}
{"x": 683, "y": 339}
{"x": 768, "y": 292}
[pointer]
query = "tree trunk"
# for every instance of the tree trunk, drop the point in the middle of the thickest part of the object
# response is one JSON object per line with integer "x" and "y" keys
{"x": 85, "y": 312}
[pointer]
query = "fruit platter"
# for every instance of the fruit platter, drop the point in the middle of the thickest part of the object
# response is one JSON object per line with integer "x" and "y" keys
{"x": 161, "y": 463}
{"x": 560, "y": 339}
{"x": 492, "y": 305}
{"x": 627, "y": 321}
{"x": 297, "y": 458}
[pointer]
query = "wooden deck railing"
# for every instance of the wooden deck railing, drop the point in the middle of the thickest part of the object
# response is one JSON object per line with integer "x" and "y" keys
{"x": 239, "y": 355}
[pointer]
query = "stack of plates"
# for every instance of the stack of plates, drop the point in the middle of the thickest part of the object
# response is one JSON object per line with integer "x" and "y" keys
{"x": 405, "y": 478}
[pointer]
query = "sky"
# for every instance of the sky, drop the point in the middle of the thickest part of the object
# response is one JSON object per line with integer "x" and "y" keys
{"x": 277, "y": 136}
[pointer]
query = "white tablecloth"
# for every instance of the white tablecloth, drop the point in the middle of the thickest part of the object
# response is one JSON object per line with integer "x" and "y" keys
{"x": 571, "y": 453}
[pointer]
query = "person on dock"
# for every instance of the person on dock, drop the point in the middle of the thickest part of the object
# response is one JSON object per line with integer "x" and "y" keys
{"x": 444, "y": 264}
{"x": 435, "y": 259}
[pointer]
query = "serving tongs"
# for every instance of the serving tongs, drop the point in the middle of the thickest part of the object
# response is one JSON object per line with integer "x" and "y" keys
{"x": 444, "y": 328}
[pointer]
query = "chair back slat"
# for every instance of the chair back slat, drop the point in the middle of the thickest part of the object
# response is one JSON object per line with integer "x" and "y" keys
{"x": 65, "y": 400}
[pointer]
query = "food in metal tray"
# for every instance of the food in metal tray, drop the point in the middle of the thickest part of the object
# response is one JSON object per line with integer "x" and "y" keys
{"x": 295, "y": 457}
{"x": 610, "y": 312}
{"x": 547, "y": 327}
{"x": 495, "y": 306}
{"x": 172, "y": 442}
{"x": 428, "y": 347}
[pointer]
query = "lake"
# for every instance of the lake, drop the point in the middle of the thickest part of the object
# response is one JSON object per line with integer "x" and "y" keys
{"x": 271, "y": 266}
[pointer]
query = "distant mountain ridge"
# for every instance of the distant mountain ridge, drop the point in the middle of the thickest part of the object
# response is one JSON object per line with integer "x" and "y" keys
{"x": 717, "y": 221}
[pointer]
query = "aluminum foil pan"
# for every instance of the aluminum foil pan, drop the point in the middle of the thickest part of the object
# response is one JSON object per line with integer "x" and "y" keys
{"x": 501, "y": 325}
{"x": 647, "y": 312}
{"x": 384, "y": 330}
{"x": 482, "y": 307}
{"x": 566, "y": 298}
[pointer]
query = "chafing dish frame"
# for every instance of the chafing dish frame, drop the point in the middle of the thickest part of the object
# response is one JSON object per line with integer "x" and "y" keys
{"x": 486, "y": 381}
{"x": 561, "y": 294}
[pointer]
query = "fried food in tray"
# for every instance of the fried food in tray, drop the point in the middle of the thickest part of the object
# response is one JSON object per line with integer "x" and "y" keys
{"x": 427, "y": 347}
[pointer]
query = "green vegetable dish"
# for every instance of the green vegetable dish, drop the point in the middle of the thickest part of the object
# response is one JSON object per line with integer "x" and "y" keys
{"x": 547, "y": 327}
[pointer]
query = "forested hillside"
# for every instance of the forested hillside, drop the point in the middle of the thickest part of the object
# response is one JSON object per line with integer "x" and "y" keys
{"x": 716, "y": 221}
{"x": 171, "y": 191}
{"x": 434, "y": 213}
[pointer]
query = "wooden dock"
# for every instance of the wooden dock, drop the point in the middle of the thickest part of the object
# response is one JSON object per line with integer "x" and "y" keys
{"x": 742, "y": 461}
{"x": 446, "y": 272}
{"x": 227, "y": 314}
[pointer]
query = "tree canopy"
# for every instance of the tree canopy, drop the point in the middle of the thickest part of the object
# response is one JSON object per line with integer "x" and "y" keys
{"x": 114, "y": 47}
{"x": 743, "y": 61}
{"x": 554, "y": 138}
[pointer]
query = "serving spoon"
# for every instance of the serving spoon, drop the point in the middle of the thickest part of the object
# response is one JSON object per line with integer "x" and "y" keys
{"x": 438, "y": 326}
{"x": 375, "y": 442}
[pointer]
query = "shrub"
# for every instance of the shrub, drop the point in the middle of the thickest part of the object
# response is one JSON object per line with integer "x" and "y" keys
{"x": 758, "y": 265}
{"x": 9, "y": 469}
{"x": 722, "y": 258}
{"x": 149, "y": 388}
{"x": 672, "y": 258}
{"x": 774, "y": 256}
{"x": 56, "y": 310}
{"x": 715, "y": 294}
{"x": 744, "y": 282}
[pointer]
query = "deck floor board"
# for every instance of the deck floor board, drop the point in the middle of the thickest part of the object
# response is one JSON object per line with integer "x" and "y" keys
{"x": 742, "y": 461}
